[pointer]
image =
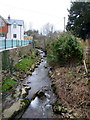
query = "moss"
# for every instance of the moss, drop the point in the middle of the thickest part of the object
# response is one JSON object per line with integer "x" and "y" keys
{"x": 26, "y": 101}
{"x": 24, "y": 95}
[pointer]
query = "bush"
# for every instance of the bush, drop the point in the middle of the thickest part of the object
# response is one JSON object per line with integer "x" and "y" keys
{"x": 65, "y": 50}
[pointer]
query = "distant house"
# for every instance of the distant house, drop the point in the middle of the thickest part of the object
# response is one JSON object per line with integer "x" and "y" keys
{"x": 11, "y": 28}
{"x": 26, "y": 37}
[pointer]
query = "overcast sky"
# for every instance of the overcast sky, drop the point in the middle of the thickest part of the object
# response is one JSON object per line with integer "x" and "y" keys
{"x": 36, "y": 13}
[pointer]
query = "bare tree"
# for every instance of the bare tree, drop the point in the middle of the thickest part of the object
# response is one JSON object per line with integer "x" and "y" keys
{"x": 47, "y": 28}
{"x": 30, "y": 26}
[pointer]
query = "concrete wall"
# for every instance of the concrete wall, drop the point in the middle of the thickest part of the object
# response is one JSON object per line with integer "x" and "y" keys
{"x": 12, "y": 56}
{"x": 0, "y": 68}
{"x": 0, "y": 85}
{"x": 8, "y": 59}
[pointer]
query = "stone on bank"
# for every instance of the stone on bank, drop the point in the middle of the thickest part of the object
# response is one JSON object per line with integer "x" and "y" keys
{"x": 16, "y": 110}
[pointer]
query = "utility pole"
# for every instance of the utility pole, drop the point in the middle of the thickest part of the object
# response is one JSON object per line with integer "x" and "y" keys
{"x": 64, "y": 24}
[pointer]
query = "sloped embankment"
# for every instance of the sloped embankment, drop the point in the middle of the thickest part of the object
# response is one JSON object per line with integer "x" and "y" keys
{"x": 14, "y": 101}
{"x": 72, "y": 89}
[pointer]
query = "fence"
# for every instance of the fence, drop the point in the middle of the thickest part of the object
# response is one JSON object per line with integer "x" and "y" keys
{"x": 10, "y": 43}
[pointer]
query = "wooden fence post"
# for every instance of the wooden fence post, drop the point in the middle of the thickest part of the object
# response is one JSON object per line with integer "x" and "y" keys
{"x": 12, "y": 43}
{"x": 5, "y": 44}
{"x": 87, "y": 54}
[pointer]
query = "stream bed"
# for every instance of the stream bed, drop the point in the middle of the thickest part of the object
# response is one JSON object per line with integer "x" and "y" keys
{"x": 40, "y": 107}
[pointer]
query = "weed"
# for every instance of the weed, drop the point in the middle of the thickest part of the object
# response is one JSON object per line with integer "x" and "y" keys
{"x": 7, "y": 83}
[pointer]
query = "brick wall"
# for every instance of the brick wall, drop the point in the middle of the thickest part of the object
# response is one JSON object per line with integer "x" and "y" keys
{"x": 4, "y": 28}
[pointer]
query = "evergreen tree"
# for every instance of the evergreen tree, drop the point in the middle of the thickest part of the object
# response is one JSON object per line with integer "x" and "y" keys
{"x": 79, "y": 19}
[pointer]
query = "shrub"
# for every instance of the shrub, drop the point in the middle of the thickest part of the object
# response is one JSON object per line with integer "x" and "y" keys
{"x": 65, "y": 50}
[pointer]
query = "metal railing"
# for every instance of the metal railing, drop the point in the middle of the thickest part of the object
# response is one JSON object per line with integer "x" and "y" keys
{"x": 10, "y": 43}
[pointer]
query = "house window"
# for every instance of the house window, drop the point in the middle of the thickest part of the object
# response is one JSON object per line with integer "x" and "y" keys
{"x": 14, "y": 25}
{"x": 0, "y": 19}
{"x": 2, "y": 24}
{"x": 14, "y": 35}
{"x": 2, "y": 35}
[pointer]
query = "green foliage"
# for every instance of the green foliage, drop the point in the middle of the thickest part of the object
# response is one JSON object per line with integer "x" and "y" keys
{"x": 79, "y": 19}
{"x": 8, "y": 83}
{"x": 26, "y": 56}
{"x": 65, "y": 50}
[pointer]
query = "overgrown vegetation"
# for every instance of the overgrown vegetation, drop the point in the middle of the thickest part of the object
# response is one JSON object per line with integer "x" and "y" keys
{"x": 7, "y": 83}
{"x": 10, "y": 78}
{"x": 65, "y": 50}
{"x": 26, "y": 62}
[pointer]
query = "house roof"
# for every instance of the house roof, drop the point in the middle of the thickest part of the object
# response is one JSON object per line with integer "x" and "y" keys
{"x": 11, "y": 21}
{"x": 3, "y": 19}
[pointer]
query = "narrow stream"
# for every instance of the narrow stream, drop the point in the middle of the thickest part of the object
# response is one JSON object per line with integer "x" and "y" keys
{"x": 40, "y": 108}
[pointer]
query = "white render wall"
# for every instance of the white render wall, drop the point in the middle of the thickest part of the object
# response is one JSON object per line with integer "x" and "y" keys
{"x": 19, "y": 30}
{"x": 9, "y": 32}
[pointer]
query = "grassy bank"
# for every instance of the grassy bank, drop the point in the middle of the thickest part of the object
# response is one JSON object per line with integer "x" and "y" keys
{"x": 8, "y": 83}
{"x": 26, "y": 62}
{"x": 20, "y": 71}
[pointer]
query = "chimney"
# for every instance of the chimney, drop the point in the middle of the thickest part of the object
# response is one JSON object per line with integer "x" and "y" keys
{"x": 9, "y": 17}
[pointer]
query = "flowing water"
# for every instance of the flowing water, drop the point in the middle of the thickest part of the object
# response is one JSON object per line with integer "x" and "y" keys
{"x": 40, "y": 108}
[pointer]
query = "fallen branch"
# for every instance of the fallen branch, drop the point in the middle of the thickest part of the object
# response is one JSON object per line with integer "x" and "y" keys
{"x": 85, "y": 66}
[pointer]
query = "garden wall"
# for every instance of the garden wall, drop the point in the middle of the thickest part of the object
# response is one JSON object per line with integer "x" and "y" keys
{"x": 0, "y": 66}
{"x": 11, "y": 57}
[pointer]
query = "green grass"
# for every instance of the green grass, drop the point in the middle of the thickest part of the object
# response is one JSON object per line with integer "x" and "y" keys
{"x": 26, "y": 62}
{"x": 7, "y": 84}
{"x": 23, "y": 66}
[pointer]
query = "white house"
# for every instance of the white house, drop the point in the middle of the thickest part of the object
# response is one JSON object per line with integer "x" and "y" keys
{"x": 15, "y": 29}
